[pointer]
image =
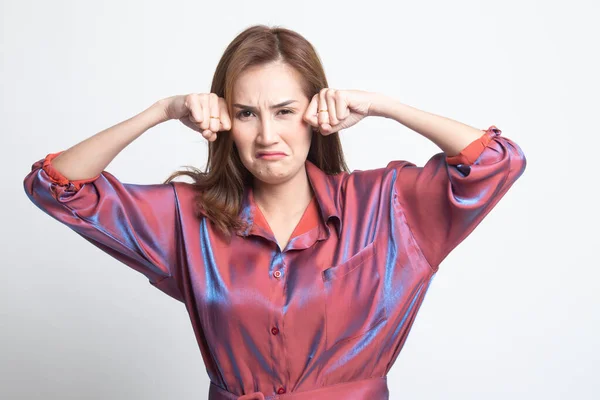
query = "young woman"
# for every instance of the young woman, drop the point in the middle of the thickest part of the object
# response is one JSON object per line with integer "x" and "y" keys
{"x": 301, "y": 279}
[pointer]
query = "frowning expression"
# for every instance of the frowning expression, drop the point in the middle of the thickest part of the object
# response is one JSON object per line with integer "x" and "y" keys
{"x": 268, "y": 105}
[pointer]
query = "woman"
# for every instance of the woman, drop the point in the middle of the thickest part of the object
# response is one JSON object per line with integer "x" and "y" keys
{"x": 297, "y": 274}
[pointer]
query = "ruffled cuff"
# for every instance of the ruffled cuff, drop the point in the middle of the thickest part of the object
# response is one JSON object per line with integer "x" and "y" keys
{"x": 59, "y": 178}
{"x": 471, "y": 153}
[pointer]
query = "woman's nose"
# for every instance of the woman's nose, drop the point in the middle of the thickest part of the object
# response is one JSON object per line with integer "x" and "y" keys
{"x": 267, "y": 133}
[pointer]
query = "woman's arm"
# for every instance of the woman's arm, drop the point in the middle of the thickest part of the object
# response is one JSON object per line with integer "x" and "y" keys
{"x": 443, "y": 201}
{"x": 136, "y": 224}
{"x": 449, "y": 135}
{"x": 90, "y": 157}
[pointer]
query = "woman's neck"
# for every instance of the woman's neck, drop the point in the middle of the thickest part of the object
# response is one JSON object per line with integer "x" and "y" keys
{"x": 285, "y": 199}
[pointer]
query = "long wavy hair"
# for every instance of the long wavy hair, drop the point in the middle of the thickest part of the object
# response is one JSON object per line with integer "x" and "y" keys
{"x": 220, "y": 186}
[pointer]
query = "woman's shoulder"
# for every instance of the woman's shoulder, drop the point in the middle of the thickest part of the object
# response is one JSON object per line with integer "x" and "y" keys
{"x": 186, "y": 194}
{"x": 374, "y": 177}
{"x": 364, "y": 187}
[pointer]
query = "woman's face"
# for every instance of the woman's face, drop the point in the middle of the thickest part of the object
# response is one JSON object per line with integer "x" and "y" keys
{"x": 261, "y": 124}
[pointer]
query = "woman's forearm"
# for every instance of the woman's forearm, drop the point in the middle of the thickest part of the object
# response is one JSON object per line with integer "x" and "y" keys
{"x": 449, "y": 135}
{"x": 90, "y": 157}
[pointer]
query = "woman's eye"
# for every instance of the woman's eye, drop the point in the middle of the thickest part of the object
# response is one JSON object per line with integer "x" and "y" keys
{"x": 242, "y": 114}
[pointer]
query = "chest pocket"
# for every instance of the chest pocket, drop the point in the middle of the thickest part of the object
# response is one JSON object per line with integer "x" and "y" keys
{"x": 354, "y": 303}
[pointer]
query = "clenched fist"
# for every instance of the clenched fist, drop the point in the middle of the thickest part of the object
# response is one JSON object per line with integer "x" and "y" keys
{"x": 203, "y": 112}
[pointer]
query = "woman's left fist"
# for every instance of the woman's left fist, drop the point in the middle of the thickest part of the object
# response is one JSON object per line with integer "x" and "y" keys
{"x": 332, "y": 110}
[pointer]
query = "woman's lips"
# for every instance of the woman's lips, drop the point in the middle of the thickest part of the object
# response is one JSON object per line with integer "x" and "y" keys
{"x": 271, "y": 156}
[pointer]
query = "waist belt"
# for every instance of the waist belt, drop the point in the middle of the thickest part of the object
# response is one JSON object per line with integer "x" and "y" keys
{"x": 366, "y": 389}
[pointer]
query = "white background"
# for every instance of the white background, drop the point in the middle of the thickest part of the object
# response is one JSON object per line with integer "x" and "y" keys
{"x": 513, "y": 311}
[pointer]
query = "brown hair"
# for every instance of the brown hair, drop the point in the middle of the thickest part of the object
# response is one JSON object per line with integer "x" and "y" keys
{"x": 221, "y": 186}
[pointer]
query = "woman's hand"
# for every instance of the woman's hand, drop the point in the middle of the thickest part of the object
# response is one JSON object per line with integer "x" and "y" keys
{"x": 332, "y": 110}
{"x": 202, "y": 112}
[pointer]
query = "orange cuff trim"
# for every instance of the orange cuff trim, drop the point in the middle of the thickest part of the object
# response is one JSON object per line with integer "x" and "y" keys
{"x": 471, "y": 153}
{"x": 59, "y": 178}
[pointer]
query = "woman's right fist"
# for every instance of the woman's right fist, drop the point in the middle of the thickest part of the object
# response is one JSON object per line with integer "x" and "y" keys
{"x": 203, "y": 112}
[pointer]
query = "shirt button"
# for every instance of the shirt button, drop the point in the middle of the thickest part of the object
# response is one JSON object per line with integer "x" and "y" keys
{"x": 277, "y": 274}
{"x": 281, "y": 390}
{"x": 274, "y": 331}
{"x": 464, "y": 169}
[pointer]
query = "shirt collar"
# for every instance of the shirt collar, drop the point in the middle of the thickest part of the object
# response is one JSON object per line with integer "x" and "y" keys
{"x": 325, "y": 188}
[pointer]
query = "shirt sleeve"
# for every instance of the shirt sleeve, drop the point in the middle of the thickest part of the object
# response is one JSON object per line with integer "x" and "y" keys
{"x": 135, "y": 224}
{"x": 446, "y": 199}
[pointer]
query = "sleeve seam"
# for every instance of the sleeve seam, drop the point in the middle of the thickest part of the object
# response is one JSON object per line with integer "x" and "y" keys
{"x": 163, "y": 278}
{"x": 400, "y": 209}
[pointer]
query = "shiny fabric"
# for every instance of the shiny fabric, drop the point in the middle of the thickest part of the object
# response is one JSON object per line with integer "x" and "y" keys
{"x": 370, "y": 388}
{"x": 326, "y": 316}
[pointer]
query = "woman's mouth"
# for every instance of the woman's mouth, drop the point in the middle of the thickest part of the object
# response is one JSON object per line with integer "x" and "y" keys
{"x": 271, "y": 155}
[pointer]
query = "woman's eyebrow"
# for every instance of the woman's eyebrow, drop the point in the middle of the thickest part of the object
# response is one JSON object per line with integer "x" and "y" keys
{"x": 285, "y": 103}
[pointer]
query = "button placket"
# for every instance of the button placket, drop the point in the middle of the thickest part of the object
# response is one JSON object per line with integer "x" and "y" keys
{"x": 279, "y": 297}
